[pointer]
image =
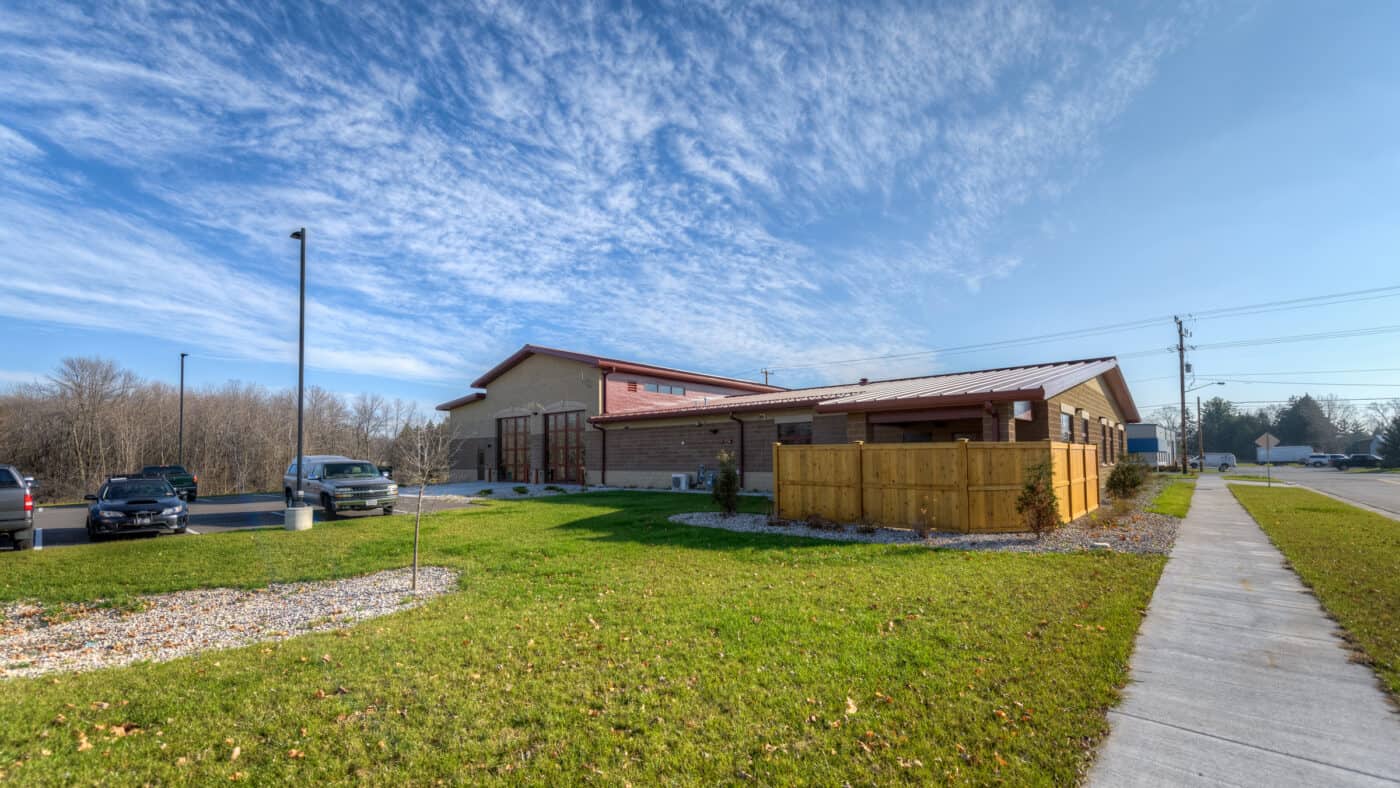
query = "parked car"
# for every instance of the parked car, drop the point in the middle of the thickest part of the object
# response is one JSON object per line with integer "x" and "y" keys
{"x": 135, "y": 504}
{"x": 1317, "y": 460}
{"x": 16, "y": 507}
{"x": 1220, "y": 460}
{"x": 1358, "y": 461}
{"x": 184, "y": 482}
{"x": 340, "y": 484}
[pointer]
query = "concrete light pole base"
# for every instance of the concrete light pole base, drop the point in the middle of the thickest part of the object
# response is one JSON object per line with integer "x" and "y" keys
{"x": 297, "y": 518}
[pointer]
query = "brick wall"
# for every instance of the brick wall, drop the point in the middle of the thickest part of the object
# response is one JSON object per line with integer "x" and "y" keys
{"x": 829, "y": 428}
{"x": 620, "y": 399}
{"x": 1089, "y": 397}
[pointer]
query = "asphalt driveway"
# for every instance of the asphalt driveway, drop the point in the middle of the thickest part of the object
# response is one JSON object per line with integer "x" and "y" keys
{"x": 62, "y": 526}
{"x": 1376, "y": 489}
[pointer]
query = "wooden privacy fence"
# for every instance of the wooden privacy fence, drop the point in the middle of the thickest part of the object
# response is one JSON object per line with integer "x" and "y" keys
{"x": 962, "y": 486}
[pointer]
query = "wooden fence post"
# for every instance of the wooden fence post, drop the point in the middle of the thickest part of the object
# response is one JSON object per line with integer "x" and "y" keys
{"x": 777, "y": 490}
{"x": 860, "y": 480}
{"x": 965, "y": 481}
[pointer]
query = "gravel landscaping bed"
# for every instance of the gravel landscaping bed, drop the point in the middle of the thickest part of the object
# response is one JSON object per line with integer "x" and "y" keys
{"x": 1138, "y": 532}
{"x": 188, "y": 622}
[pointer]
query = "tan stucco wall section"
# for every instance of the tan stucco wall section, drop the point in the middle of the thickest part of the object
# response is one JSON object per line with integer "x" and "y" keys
{"x": 543, "y": 384}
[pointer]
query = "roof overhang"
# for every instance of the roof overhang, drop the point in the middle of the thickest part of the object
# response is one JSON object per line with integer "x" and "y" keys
{"x": 617, "y": 365}
{"x": 463, "y": 400}
{"x": 925, "y": 403}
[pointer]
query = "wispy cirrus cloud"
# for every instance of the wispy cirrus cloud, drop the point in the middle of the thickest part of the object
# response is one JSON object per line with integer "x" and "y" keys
{"x": 592, "y": 175}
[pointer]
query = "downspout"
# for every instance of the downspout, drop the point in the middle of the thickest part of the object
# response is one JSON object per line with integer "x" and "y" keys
{"x": 603, "y": 445}
{"x": 740, "y": 421}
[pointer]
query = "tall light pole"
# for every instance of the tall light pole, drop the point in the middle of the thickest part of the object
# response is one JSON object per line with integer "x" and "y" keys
{"x": 301, "y": 368}
{"x": 181, "y": 452}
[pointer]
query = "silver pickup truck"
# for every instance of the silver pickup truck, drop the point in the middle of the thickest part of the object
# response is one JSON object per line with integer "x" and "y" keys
{"x": 16, "y": 508}
{"x": 340, "y": 484}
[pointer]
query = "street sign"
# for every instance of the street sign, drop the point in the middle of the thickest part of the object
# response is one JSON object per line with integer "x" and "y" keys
{"x": 1267, "y": 442}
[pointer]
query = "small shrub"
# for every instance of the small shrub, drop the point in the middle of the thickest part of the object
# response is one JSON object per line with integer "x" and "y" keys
{"x": 486, "y": 491}
{"x": 554, "y": 488}
{"x": 1037, "y": 503}
{"x": 1126, "y": 478}
{"x": 726, "y": 489}
{"x": 818, "y": 523}
{"x": 867, "y": 528}
{"x": 520, "y": 489}
{"x": 926, "y": 523}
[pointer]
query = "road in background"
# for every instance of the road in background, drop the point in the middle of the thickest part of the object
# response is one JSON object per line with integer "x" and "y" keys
{"x": 63, "y": 526}
{"x": 1376, "y": 489}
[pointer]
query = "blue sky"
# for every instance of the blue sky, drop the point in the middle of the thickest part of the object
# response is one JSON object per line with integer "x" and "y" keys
{"x": 711, "y": 186}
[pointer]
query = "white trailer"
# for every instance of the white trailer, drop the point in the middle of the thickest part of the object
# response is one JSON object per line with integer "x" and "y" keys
{"x": 1282, "y": 454}
{"x": 1154, "y": 444}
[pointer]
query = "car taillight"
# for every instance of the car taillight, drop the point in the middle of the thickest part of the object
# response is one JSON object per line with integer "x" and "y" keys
{"x": 28, "y": 502}
{"x": 196, "y": 478}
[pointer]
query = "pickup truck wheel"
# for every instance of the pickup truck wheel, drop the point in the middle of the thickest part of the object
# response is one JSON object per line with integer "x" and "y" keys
{"x": 1224, "y": 466}
{"x": 329, "y": 507}
{"x": 388, "y": 510}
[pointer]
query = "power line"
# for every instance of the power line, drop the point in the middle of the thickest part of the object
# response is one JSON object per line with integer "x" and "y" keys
{"x": 1305, "y": 382}
{"x": 1330, "y": 299}
{"x": 1273, "y": 401}
{"x": 1298, "y": 372}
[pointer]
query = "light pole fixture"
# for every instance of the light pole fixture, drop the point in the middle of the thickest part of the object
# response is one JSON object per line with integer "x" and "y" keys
{"x": 180, "y": 453}
{"x": 1207, "y": 385}
{"x": 296, "y": 518}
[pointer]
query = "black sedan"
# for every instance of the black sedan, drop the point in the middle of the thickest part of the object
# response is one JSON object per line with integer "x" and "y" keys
{"x": 130, "y": 505}
{"x": 1357, "y": 461}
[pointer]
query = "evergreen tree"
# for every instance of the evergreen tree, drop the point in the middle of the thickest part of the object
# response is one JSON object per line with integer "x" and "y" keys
{"x": 1390, "y": 444}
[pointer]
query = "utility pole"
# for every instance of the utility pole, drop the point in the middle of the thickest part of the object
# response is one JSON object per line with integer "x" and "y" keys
{"x": 1181, "y": 369}
{"x": 1200, "y": 433}
{"x": 181, "y": 452}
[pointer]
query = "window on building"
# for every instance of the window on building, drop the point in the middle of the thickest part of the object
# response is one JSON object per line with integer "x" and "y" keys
{"x": 1084, "y": 424}
{"x": 796, "y": 432}
{"x": 1104, "y": 445}
{"x": 663, "y": 388}
{"x": 1066, "y": 428}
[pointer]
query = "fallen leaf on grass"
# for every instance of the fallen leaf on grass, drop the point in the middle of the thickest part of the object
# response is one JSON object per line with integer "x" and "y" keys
{"x": 237, "y": 751}
{"x": 296, "y": 754}
{"x": 850, "y": 705}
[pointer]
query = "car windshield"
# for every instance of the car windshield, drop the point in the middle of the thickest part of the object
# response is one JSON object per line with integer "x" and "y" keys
{"x": 347, "y": 470}
{"x": 125, "y": 491}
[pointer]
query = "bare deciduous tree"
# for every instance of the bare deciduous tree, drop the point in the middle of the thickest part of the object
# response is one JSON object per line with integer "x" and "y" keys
{"x": 422, "y": 457}
{"x": 92, "y": 419}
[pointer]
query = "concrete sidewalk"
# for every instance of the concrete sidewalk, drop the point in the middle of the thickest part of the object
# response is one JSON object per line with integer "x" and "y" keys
{"x": 1239, "y": 678}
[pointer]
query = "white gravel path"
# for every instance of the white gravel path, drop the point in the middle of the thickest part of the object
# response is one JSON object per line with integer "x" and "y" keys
{"x": 187, "y": 622}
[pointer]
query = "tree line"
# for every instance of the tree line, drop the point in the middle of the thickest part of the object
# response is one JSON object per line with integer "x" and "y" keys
{"x": 91, "y": 419}
{"x": 1327, "y": 424}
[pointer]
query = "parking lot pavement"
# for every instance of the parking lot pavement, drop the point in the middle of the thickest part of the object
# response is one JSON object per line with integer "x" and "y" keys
{"x": 62, "y": 526}
{"x": 1375, "y": 489}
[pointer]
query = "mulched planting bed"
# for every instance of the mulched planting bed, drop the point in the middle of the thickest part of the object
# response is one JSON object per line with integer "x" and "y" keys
{"x": 1132, "y": 531}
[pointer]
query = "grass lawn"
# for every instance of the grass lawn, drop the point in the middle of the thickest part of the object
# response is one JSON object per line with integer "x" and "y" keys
{"x": 1348, "y": 556}
{"x": 1174, "y": 499}
{"x": 593, "y": 641}
{"x": 1247, "y": 477}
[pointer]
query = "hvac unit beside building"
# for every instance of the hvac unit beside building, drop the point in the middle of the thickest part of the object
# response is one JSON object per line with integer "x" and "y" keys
{"x": 680, "y": 482}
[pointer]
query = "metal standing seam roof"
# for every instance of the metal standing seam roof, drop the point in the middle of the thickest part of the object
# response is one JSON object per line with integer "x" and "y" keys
{"x": 1040, "y": 381}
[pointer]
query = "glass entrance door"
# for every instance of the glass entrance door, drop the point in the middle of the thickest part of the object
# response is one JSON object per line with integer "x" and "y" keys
{"x": 513, "y": 436}
{"x": 564, "y": 445}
